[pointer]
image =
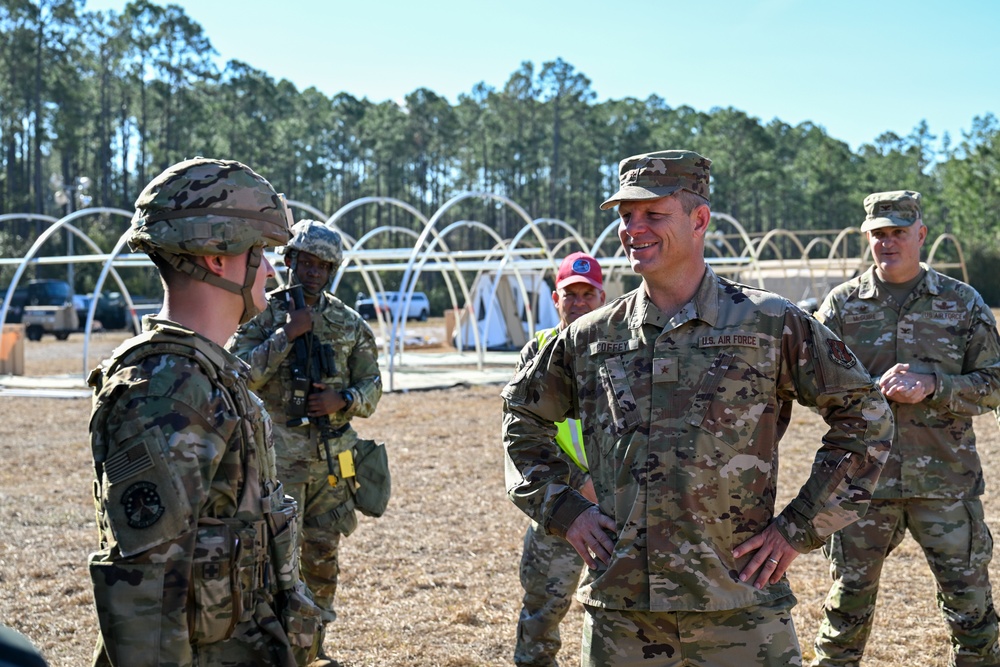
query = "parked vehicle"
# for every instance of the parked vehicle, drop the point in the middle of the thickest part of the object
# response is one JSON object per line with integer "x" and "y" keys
{"x": 110, "y": 312}
{"x": 17, "y": 301}
{"x": 49, "y": 309}
{"x": 390, "y": 303}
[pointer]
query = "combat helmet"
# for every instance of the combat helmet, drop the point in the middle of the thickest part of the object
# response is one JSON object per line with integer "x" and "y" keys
{"x": 314, "y": 237}
{"x": 207, "y": 206}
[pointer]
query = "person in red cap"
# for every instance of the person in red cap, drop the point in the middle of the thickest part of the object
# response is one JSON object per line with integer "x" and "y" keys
{"x": 550, "y": 566}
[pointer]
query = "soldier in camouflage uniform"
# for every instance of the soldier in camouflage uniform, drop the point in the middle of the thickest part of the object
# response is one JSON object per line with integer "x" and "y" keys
{"x": 684, "y": 387}
{"x": 933, "y": 346}
{"x": 550, "y": 566}
{"x": 197, "y": 563}
{"x": 352, "y": 388}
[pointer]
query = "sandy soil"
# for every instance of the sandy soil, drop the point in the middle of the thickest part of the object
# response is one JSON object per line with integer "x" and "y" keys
{"x": 434, "y": 582}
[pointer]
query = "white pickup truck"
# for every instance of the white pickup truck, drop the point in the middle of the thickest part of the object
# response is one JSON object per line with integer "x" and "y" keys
{"x": 389, "y": 304}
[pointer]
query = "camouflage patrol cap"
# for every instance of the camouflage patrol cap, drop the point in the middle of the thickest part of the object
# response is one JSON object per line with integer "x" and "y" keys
{"x": 899, "y": 208}
{"x": 208, "y": 207}
{"x": 314, "y": 237}
{"x": 660, "y": 174}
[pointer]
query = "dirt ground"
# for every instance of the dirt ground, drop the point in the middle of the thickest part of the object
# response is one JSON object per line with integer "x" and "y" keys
{"x": 434, "y": 582}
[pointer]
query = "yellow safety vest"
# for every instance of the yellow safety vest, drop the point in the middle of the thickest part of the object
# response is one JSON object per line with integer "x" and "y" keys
{"x": 569, "y": 433}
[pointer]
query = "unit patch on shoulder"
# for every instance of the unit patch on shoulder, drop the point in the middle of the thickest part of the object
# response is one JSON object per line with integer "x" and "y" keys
{"x": 143, "y": 506}
{"x": 841, "y": 354}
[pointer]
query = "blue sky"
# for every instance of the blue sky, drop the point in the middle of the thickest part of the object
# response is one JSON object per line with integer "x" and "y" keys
{"x": 857, "y": 68}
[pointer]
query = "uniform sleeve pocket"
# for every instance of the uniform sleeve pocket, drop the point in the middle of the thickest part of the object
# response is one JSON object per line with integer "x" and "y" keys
{"x": 622, "y": 416}
{"x": 147, "y": 505}
{"x": 129, "y": 600}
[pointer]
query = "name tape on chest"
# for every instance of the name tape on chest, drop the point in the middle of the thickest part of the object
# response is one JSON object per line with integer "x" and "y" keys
{"x": 614, "y": 346}
{"x": 855, "y": 318}
{"x": 737, "y": 339}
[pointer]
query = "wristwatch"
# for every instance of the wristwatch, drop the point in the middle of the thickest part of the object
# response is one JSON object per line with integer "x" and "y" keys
{"x": 348, "y": 399}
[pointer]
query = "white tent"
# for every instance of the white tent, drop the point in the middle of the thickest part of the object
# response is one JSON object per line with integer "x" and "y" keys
{"x": 500, "y": 313}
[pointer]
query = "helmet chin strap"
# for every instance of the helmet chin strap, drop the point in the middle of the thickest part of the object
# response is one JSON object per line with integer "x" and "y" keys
{"x": 250, "y": 308}
{"x": 198, "y": 272}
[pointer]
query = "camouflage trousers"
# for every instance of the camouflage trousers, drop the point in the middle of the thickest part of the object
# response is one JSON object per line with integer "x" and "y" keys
{"x": 762, "y": 635}
{"x": 550, "y": 572}
{"x": 319, "y": 559}
{"x": 958, "y": 547}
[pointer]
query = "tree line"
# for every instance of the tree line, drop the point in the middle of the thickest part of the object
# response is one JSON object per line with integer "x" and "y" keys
{"x": 117, "y": 97}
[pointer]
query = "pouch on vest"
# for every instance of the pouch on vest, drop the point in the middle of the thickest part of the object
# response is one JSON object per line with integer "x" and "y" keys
{"x": 284, "y": 522}
{"x": 374, "y": 483}
{"x": 302, "y": 622}
{"x": 216, "y": 586}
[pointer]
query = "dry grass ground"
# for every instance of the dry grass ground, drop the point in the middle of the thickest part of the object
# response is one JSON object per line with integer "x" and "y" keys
{"x": 434, "y": 582}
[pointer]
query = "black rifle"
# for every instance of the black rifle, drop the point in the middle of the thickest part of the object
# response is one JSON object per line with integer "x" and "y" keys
{"x": 314, "y": 360}
{"x": 297, "y": 409}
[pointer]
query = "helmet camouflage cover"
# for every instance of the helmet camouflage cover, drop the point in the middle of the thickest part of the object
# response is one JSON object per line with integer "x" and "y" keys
{"x": 206, "y": 206}
{"x": 317, "y": 239}
{"x": 210, "y": 207}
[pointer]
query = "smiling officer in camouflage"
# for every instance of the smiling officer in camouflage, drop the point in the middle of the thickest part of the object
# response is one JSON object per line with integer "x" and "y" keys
{"x": 934, "y": 347}
{"x": 684, "y": 387}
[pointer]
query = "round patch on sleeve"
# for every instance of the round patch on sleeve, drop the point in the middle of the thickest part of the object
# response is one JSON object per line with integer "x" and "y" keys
{"x": 143, "y": 506}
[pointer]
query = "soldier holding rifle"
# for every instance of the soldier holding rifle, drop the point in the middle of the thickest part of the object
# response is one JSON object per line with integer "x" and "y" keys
{"x": 315, "y": 365}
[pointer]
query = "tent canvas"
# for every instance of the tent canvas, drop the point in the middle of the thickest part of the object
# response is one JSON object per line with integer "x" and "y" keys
{"x": 500, "y": 312}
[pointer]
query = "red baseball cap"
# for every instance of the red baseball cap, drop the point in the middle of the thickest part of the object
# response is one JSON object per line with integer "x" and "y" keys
{"x": 580, "y": 268}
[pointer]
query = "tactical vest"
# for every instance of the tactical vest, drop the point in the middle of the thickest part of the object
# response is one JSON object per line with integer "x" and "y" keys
{"x": 569, "y": 433}
{"x": 263, "y": 522}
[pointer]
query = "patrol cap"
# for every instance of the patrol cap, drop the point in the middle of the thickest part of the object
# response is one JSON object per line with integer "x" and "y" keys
{"x": 660, "y": 174}
{"x": 899, "y": 208}
{"x": 580, "y": 268}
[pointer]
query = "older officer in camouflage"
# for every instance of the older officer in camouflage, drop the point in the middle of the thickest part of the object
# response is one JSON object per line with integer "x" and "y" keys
{"x": 197, "y": 563}
{"x": 550, "y": 566}
{"x": 933, "y": 346}
{"x": 352, "y": 388}
{"x": 684, "y": 387}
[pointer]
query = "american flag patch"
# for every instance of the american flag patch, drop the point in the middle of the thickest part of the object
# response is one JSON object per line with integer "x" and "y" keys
{"x": 130, "y": 462}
